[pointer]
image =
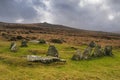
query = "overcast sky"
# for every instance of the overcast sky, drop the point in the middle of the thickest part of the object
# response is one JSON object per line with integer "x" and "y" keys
{"x": 101, "y": 15}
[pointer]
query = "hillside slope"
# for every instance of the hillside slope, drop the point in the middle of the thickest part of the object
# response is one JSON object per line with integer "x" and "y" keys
{"x": 48, "y": 31}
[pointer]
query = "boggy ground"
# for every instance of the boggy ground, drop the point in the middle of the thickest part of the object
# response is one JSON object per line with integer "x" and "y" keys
{"x": 14, "y": 66}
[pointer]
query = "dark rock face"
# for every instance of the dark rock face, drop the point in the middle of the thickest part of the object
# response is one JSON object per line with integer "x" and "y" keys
{"x": 24, "y": 43}
{"x": 52, "y": 51}
{"x": 42, "y": 41}
{"x": 19, "y": 37}
{"x": 56, "y": 41}
{"x": 108, "y": 50}
{"x": 12, "y": 38}
{"x": 92, "y": 44}
{"x": 13, "y": 47}
{"x": 77, "y": 56}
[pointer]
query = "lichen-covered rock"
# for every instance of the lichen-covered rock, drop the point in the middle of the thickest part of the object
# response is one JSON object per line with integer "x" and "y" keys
{"x": 93, "y": 50}
{"x": 13, "y": 47}
{"x": 52, "y": 51}
{"x": 12, "y": 43}
{"x": 77, "y": 56}
{"x": 87, "y": 53}
{"x": 24, "y": 43}
{"x": 45, "y": 60}
{"x": 97, "y": 51}
{"x": 108, "y": 50}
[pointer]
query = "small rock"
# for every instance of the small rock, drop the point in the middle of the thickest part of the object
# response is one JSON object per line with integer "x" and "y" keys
{"x": 24, "y": 43}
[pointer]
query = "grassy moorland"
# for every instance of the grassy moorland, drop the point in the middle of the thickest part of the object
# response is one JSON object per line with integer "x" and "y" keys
{"x": 14, "y": 66}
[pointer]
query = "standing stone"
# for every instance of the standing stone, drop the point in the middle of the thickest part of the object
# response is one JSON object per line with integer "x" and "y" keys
{"x": 13, "y": 47}
{"x": 87, "y": 53}
{"x": 108, "y": 50}
{"x": 24, "y": 43}
{"x": 77, "y": 56}
{"x": 97, "y": 51}
{"x": 12, "y": 43}
{"x": 52, "y": 51}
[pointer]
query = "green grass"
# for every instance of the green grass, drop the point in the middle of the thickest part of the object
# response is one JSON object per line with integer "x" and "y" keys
{"x": 14, "y": 66}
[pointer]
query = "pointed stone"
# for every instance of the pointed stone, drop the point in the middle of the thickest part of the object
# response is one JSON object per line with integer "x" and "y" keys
{"x": 52, "y": 51}
{"x": 87, "y": 53}
{"x": 13, "y": 47}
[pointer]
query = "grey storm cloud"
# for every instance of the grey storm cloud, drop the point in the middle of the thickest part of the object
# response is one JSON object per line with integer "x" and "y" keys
{"x": 102, "y": 15}
{"x": 12, "y": 10}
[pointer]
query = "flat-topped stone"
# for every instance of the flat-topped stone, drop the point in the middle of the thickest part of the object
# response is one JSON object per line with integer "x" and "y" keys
{"x": 46, "y": 59}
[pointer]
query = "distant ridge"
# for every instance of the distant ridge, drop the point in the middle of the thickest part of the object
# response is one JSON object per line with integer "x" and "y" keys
{"x": 54, "y": 28}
